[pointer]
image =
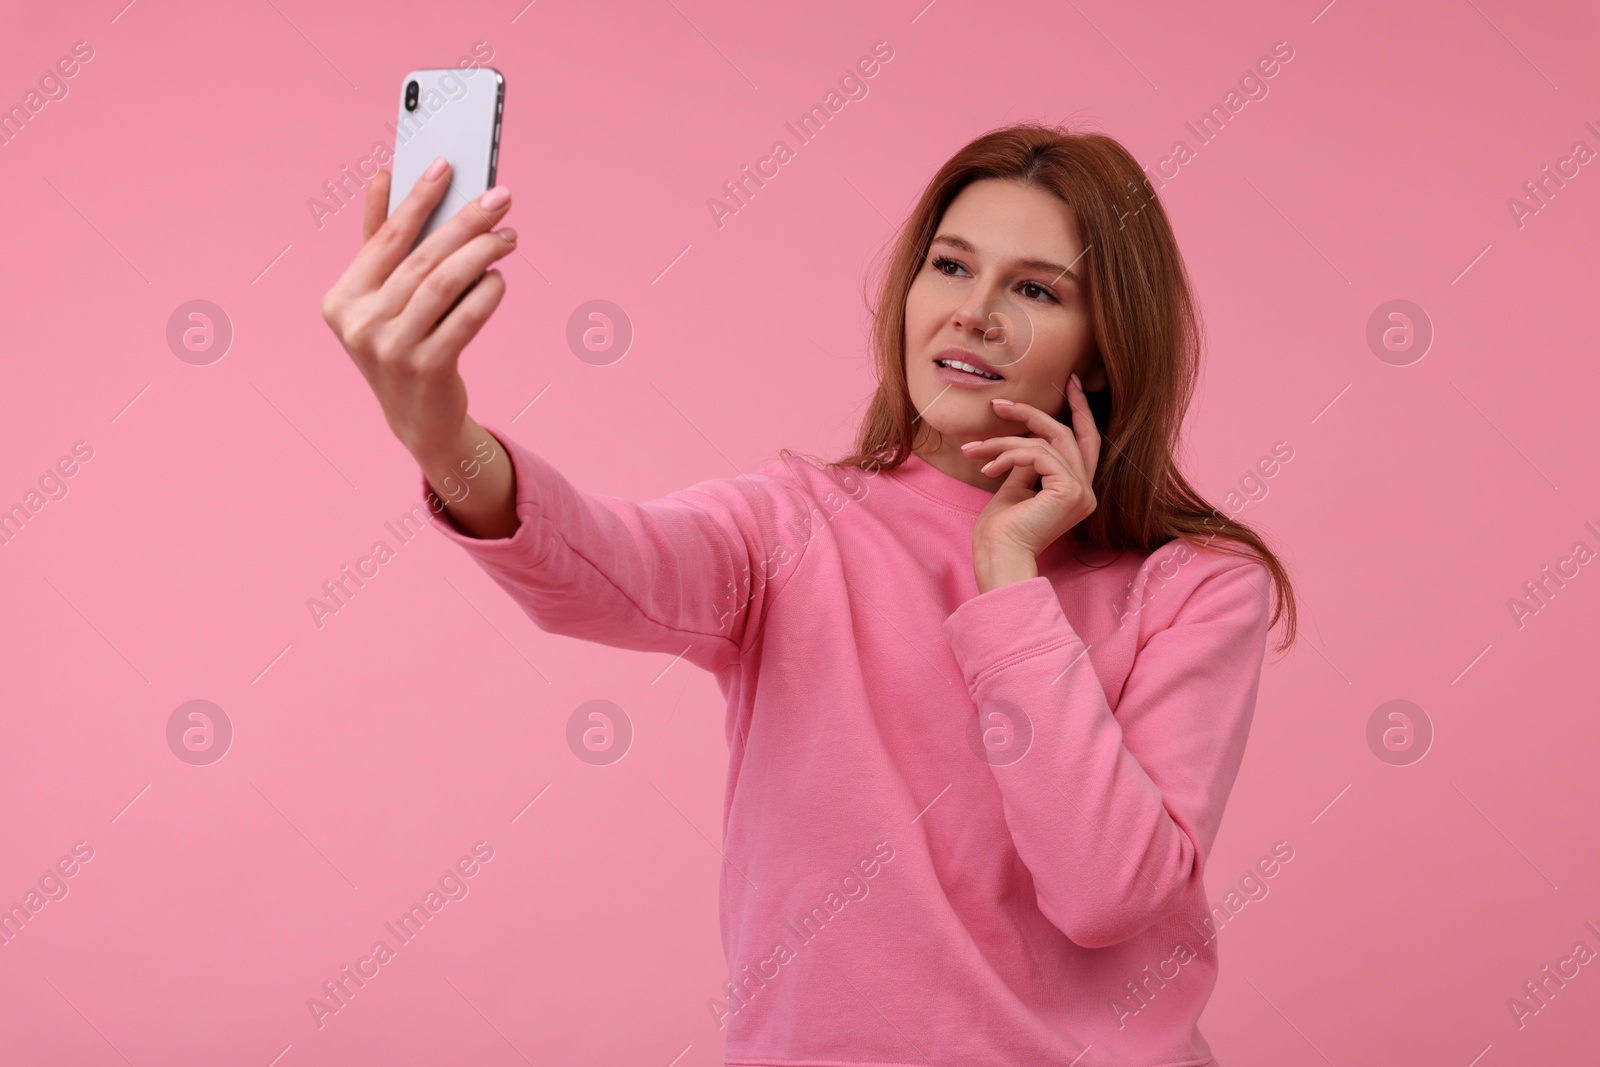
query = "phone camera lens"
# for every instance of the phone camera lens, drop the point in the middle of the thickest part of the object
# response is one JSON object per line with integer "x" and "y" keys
{"x": 411, "y": 96}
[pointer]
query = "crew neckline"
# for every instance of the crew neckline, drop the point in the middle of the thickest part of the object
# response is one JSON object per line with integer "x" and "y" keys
{"x": 926, "y": 480}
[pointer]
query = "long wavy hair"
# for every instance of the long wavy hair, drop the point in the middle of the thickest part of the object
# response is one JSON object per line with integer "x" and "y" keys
{"x": 1144, "y": 326}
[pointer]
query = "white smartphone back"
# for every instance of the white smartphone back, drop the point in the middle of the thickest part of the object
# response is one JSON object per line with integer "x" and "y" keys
{"x": 450, "y": 112}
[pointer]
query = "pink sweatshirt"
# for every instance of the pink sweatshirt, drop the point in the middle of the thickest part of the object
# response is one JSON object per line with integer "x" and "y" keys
{"x": 960, "y": 828}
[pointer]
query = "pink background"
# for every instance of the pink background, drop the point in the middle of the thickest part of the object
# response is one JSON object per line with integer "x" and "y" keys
{"x": 370, "y": 754}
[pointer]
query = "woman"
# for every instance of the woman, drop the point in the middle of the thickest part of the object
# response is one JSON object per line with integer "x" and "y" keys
{"x": 989, "y": 678}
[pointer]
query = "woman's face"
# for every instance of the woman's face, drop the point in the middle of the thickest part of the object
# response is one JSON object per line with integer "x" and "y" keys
{"x": 999, "y": 286}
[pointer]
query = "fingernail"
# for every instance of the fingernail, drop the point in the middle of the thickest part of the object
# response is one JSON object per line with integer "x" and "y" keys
{"x": 1075, "y": 380}
{"x": 1001, "y": 400}
{"x": 436, "y": 168}
{"x": 508, "y": 233}
{"x": 495, "y": 197}
{"x": 969, "y": 444}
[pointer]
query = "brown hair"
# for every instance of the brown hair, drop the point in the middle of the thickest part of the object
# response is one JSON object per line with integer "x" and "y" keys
{"x": 1145, "y": 329}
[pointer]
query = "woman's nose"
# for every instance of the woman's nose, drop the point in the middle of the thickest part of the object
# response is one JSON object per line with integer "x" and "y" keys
{"x": 1002, "y": 326}
{"x": 980, "y": 312}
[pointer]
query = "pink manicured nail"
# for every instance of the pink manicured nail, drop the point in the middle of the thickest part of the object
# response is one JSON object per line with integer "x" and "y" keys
{"x": 495, "y": 198}
{"x": 436, "y": 168}
{"x": 1075, "y": 380}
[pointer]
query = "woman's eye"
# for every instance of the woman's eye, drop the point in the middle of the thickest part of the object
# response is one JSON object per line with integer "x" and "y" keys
{"x": 1033, "y": 290}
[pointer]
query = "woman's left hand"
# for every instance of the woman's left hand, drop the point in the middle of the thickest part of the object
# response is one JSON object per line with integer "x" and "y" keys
{"x": 1019, "y": 522}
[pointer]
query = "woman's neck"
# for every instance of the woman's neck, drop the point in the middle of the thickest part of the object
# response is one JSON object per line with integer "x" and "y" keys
{"x": 949, "y": 458}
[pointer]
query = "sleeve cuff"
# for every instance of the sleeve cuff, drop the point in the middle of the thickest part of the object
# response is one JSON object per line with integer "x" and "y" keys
{"x": 519, "y": 541}
{"x": 1014, "y": 622}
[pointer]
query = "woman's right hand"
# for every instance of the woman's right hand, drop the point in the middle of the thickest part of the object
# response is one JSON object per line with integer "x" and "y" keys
{"x": 389, "y": 309}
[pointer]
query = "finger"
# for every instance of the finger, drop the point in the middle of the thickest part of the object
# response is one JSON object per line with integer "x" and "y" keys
{"x": 1021, "y": 483}
{"x": 1065, "y": 439}
{"x": 991, "y": 446}
{"x": 1084, "y": 431}
{"x": 1037, "y": 420}
{"x": 1043, "y": 461}
{"x": 996, "y": 446}
{"x": 477, "y": 216}
{"x": 391, "y": 240}
{"x": 444, "y": 286}
{"x": 468, "y": 317}
{"x": 1068, "y": 455}
{"x": 377, "y": 206}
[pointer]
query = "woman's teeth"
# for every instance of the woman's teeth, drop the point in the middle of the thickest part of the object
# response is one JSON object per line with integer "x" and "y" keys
{"x": 955, "y": 364}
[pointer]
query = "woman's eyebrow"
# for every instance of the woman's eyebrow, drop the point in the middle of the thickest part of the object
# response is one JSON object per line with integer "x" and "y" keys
{"x": 1054, "y": 269}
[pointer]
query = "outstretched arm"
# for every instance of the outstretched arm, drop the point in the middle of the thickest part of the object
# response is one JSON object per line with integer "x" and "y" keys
{"x": 686, "y": 574}
{"x": 690, "y": 573}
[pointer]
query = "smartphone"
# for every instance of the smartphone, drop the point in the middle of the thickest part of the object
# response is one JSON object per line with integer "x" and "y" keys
{"x": 452, "y": 112}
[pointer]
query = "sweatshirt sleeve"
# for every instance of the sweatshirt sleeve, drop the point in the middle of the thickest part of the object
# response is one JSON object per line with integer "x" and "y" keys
{"x": 1114, "y": 814}
{"x": 687, "y": 574}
